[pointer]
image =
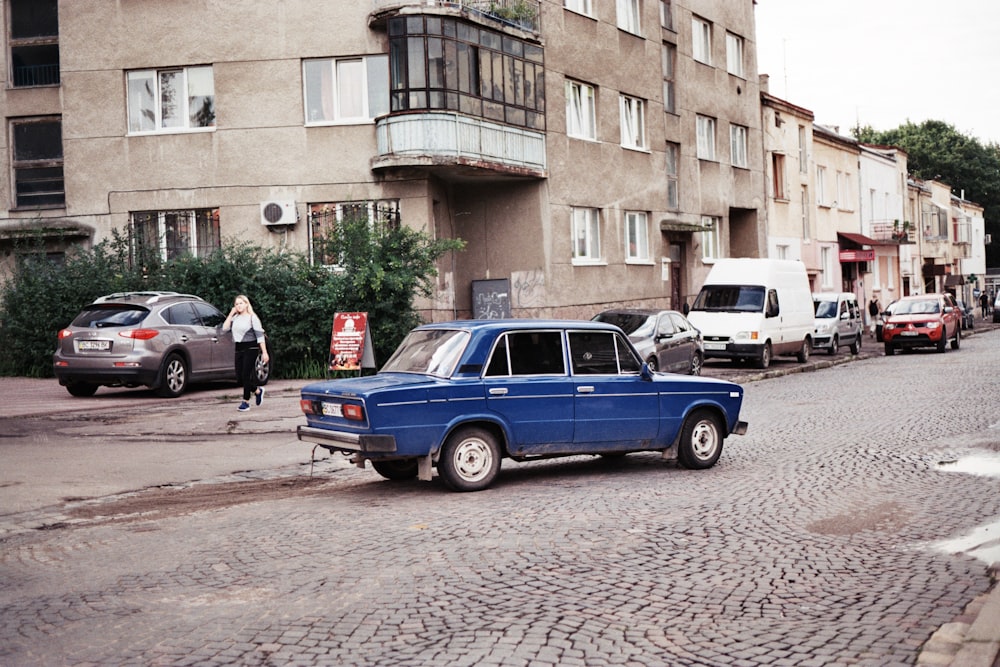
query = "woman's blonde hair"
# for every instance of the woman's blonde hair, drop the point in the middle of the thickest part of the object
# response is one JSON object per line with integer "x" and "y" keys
{"x": 249, "y": 305}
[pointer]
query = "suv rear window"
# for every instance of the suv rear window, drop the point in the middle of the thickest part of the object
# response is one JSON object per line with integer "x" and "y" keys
{"x": 111, "y": 315}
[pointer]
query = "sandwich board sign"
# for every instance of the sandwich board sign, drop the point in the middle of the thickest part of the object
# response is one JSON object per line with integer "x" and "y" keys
{"x": 351, "y": 343}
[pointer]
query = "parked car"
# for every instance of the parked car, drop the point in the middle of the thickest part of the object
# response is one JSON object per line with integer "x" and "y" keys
{"x": 996, "y": 309}
{"x": 161, "y": 340}
{"x": 927, "y": 320}
{"x": 968, "y": 314}
{"x": 664, "y": 338}
{"x": 838, "y": 322}
{"x": 463, "y": 395}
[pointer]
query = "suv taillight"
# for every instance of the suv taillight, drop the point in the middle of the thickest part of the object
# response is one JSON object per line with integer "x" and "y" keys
{"x": 65, "y": 333}
{"x": 139, "y": 334}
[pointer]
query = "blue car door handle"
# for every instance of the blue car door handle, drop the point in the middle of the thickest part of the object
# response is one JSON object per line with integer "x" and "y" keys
{"x": 585, "y": 389}
{"x": 498, "y": 391}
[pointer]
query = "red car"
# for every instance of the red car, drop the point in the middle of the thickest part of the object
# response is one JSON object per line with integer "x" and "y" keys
{"x": 927, "y": 320}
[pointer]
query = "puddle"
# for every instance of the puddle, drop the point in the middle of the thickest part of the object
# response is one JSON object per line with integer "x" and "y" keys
{"x": 987, "y": 464}
{"x": 983, "y": 542}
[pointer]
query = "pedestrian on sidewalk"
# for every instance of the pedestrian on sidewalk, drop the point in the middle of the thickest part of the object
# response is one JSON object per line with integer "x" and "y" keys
{"x": 873, "y": 314}
{"x": 248, "y": 335}
{"x": 984, "y": 303}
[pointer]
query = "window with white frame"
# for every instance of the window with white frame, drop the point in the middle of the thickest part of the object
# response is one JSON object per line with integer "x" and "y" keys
{"x": 167, "y": 235}
{"x": 581, "y": 117}
{"x": 586, "y": 223}
{"x": 706, "y": 137}
{"x": 781, "y": 252}
{"x": 734, "y": 55}
{"x": 738, "y": 145}
{"x": 633, "y": 116}
{"x": 628, "y": 16}
{"x": 666, "y": 14}
{"x": 804, "y": 208}
{"x": 821, "y": 185}
{"x": 171, "y": 100}
{"x": 673, "y": 193}
{"x": 668, "y": 55}
{"x": 843, "y": 191}
{"x": 341, "y": 90}
{"x": 636, "y": 236}
{"x": 701, "y": 40}
{"x": 710, "y": 237}
{"x": 826, "y": 264}
{"x": 381, "y": 215}
{"x": 579, "y": 6}
{"x": 803, "y": 157}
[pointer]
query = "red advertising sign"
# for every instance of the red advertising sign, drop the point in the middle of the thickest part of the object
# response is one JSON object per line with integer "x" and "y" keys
{"x": 350, "y": 344}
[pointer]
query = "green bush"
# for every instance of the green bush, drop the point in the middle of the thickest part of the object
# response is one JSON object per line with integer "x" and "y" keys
{"x": 381, "y": 271}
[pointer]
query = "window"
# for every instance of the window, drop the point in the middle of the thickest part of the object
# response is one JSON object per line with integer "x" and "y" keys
{"x": 347, "y": 89}
{"x": 382, "y": 215}
{"x": 636, "y": 237}
{"x": 803, "y": 158}
{"x": 171, "y": 100}
{"x": 826, "y": 263}
{"x": 778, "y": 176}
{"x": 782, "y": 252}
{"x": 600, "y": 353}
{"x": 579, "y": 6}
{"x": 438, "y": 62}
{"x": 706, "y": 137}
{"x": 734, "y": 54}
{"x": 34, "y": 42}
{"x": 669, "y": 56}
{"x": 738, "y": 145}
{"x": 628, "y": 16}
{"x": 581, "y": 119}
{"x": 666, "y": 14}
{"x": 843, "y": 191}
{"x": 673, "y": 195}
{"x": 821, "y": 185}
{"x": 167, "y": 235}
{"x": 804, "y": 204}
{"x": 633, "y": 122}
{"x": 527, "y": 353}
{"x": 710, "y": 237}
{"x": 701, "y": 40}
{"x": 38, "y": 162}
{"x": 586, "y": 234}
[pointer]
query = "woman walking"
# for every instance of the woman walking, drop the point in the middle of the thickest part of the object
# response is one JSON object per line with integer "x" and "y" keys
{"x": 248, "y": 334}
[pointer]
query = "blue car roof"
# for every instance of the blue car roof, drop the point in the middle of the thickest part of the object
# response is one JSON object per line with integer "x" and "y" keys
{"x": 508, "y": 324}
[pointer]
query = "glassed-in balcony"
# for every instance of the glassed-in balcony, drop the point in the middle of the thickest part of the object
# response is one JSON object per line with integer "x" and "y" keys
{"x": 455, "y": 145}
{"x": 521, "y": 14}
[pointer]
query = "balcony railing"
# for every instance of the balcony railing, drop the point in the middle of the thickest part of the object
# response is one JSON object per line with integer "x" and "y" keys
{"x": 464, "y": 139}
{"x": 524, "y": 14}
{"x": 892, "y": 232}
{"x": 36, "y": 75}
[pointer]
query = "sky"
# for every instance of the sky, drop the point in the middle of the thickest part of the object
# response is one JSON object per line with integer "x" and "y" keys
{"x": 885, "y": 62}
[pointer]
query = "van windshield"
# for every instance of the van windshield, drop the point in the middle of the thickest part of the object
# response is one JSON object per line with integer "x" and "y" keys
{"x": 826, "y": 309}
{"x": 735, "y": 298}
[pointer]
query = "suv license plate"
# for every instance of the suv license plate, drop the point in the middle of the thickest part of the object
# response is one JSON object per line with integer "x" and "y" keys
{"x": 333, "y": 410}
{"x": 92, "y": 345}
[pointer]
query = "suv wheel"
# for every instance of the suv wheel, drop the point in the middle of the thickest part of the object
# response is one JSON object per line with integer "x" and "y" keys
{"x": 957, "y": 340}
{"x": 173, "y": 377}
{"x": 81, "y": 389}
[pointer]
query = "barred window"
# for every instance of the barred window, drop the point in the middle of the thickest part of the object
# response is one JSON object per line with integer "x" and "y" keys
{"x": 167, "y": 235}
{"x": 382, "y": 215}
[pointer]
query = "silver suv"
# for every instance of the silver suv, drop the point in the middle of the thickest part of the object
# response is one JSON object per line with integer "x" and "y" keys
{"x": 161, "y": 340}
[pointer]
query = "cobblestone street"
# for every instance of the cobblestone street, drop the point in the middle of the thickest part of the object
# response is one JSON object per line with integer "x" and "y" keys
{"x": 812, "y": 542}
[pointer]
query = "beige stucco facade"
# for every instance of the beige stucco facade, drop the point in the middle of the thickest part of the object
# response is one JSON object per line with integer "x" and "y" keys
{"x": 513, "y": 211}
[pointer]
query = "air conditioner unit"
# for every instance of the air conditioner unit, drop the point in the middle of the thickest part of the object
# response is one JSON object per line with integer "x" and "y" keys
{"x": 988, "y": 239}
{"x": 278, "y": 213}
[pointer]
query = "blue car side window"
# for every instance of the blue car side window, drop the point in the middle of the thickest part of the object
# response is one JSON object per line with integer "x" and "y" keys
{"x": 529, "y": 353}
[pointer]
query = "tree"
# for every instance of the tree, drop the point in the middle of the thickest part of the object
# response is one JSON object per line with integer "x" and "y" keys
{"x": 938, "y": 151}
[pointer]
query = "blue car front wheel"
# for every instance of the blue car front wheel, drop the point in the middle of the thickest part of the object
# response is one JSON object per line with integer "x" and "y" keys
{"x": 701, "y": 440}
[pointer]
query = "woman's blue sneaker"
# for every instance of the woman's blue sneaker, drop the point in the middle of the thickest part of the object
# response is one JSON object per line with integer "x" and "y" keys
{"x": 260, "y": 396}
{"x": 244, "y": 406}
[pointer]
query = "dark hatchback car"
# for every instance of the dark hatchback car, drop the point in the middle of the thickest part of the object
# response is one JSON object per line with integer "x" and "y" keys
{"x": 161, "y": 340}
{"x": 461, "y": 396}
{"x": 664, "y": 338}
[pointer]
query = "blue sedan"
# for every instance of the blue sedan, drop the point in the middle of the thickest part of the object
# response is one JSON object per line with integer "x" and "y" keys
{"x": 461, "y": 396}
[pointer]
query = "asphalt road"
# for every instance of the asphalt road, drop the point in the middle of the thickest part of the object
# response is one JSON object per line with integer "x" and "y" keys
{"x": 825, "y": 536}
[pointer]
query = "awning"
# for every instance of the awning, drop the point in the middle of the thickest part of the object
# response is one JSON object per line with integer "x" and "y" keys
{"x": 678, "y": 226}
{"x": 859, "y": 239}
{"x": 953, "y": 280}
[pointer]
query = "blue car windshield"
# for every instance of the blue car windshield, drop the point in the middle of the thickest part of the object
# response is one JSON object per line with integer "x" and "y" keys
{"x": 735, "y": 298}
{"x": 430, "y": 352}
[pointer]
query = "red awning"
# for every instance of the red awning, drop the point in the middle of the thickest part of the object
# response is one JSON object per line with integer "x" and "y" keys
{"x": 859, "y": 239}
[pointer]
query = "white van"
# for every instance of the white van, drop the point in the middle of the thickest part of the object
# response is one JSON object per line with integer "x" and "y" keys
{"x": 838, "y": 322}
{"x": 754, "y": 309}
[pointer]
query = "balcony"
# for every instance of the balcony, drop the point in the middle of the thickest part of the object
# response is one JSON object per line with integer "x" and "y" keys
{"x": 521, "y": 14}
{"x": 891, "y": 231}
{"x": 456, "y": 146}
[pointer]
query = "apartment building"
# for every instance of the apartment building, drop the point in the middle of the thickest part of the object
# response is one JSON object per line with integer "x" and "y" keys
{"x": 589, "y": 153}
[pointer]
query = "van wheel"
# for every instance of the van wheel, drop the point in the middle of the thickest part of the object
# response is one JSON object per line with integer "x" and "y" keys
{"x": 834, "y": 344}
{"x": 957, "y": 340}
{"x": 856, "y": 345}
{"x": 764, "y": 360}
{"x": 803, "y": 355}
